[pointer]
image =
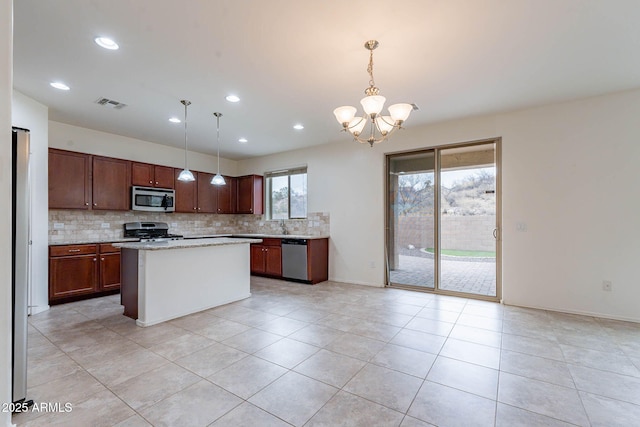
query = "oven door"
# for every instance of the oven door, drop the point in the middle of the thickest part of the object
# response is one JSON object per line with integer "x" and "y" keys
{"x": 152, "y": 199}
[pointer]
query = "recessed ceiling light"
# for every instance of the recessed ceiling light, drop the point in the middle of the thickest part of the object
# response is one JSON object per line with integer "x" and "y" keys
{"x": 243, "y": 140}
{"x": 232, "y": 98}
{"x": 175, "y": 120}
{"x": 298, "y": 126}
{"x": 106, "y": 43}
{"x": 59, "y": 85}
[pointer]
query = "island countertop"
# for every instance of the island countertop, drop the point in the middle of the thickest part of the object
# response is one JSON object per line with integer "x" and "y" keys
{"x": 185, "y": 243}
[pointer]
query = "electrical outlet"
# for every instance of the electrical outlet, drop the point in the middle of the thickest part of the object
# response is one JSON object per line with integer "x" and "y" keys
{"x": 607, "y": 285}
{"x": 58, "y": 225}
{"x": 372, "y": 264}
{"x": 521, "y": 226}
{"x": 174, "y": 224}
{"x": 106, "y": 225}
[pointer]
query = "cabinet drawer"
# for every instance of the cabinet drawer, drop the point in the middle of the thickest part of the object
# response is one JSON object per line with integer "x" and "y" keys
{"x": 107, "y": 248}
{"x": 70, "y": 250}
{"x": 271, "y": 242}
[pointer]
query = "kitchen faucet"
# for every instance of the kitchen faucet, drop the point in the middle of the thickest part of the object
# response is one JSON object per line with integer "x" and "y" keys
{"x": 284, "y": 227}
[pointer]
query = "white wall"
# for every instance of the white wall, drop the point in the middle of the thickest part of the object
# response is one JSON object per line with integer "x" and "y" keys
{"x": 569, "y": 173}
{"x": 74, "y": 138}
{"x": 29, "y": 114}
{"x": 6, "y": 83}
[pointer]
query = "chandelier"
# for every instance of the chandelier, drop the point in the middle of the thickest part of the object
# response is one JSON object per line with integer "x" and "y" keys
{"x": 380, "y": 127}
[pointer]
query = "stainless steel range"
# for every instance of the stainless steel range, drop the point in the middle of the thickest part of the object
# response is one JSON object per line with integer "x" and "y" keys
{"x": 150, "y": 231}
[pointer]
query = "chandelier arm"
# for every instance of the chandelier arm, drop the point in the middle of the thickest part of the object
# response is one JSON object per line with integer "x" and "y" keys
{"x": 351, "y": 127}
{"x": 390, "y": 124}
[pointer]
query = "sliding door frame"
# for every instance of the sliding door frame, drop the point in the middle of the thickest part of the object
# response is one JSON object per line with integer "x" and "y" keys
{"x": 436, "y": 150}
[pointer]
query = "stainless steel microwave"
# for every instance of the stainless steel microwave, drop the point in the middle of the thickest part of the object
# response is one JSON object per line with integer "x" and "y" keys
{"x": 153, "y": 199}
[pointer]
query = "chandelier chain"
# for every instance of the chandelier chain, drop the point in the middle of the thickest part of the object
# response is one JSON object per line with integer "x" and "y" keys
{"x": 372, "y": 82}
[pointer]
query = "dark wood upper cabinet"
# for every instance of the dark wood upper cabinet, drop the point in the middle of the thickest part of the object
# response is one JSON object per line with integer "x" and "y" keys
{"x": 147, "y": 175}
{"x": 111, "y": 183}
{"x": 227, "y": 196}
{"x": 84, "y": 181}
{"x": 186, "y": 193}
{"x": 207, "y": 194}
{"x": 164, "y": 176}
{"x": 69, "y": 180}
{"x": 249, "y": 199}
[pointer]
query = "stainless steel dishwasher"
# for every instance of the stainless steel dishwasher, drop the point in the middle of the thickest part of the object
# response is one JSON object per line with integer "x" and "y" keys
{"x": 294, "y": 259}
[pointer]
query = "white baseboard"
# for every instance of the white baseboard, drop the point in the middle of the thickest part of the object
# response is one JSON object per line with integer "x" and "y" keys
{"x": 580, "y": 312}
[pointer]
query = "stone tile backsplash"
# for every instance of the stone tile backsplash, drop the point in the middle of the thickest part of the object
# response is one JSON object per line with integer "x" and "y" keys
{"x": 70, "y": 226}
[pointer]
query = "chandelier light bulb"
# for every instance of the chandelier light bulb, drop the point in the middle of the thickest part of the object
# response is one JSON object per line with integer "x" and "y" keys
{"x": 356, "y": 125}
{"x": 345, "y": 114}
{"x": 400, "y": 112}
{"x": 384, "y": 124}
{"x": 372, "y": 105}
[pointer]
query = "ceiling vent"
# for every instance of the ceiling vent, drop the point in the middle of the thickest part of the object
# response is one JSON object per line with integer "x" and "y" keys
{"x": 106, "y": 102}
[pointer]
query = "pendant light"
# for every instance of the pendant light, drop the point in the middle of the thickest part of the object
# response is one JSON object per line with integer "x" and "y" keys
{"x": 186, "y": 175}
{"x": 218, "y": 179}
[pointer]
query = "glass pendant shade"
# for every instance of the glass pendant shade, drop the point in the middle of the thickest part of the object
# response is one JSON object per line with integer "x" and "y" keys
{"x": 356, "y": 125}
{"x": 400, "y": 112}
{"x": 384, "y": 124}
{"x": 345, "y": 114}
{"x": 218, "y": 180}
{"x": 186, "y": 175}
{"x": 373, "y": 104}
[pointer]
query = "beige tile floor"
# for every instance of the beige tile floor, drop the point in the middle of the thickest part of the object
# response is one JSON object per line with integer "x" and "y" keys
{"x": 334, "y": 355}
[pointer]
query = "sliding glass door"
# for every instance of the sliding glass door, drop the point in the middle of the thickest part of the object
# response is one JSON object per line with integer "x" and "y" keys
{"x": 443, "y": 219}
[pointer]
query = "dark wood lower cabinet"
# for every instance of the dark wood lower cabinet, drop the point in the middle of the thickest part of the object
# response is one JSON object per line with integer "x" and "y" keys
{"x": 72, "y": 276}
{"x": 266, "y": 258}
{"x": 82, "y": 271}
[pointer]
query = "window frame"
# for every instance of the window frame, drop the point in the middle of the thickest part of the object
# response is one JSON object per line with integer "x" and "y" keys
{"x": 268, "y": 176}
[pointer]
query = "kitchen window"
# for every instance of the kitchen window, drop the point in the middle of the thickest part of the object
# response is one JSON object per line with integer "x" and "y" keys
{"x": 286, "y": 193}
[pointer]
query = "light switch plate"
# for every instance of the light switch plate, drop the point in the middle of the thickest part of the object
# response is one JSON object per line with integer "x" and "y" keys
{"x": 106, "y": 225}
{"x": 58, "y": 225}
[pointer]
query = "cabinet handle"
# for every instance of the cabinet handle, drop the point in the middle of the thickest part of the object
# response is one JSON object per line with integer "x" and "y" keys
{"x": 151, "y": 182}
{"x": 86, "y": 203}
{"x": 156, "y": 182}
{"x": 101, "y": 259}
{"x": 74, "y": 250}
{"x": 198, "y": 208}
{"x": 95, "y": 204}
{"x": 95, "y": 259}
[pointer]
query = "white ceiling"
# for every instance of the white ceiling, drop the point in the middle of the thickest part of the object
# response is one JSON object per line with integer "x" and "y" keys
{"x": 296, "y": 60}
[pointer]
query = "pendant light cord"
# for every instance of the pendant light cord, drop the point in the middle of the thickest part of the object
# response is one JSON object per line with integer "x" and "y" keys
{"x": 218, "y": 115}
{"x": 186, "y": 165}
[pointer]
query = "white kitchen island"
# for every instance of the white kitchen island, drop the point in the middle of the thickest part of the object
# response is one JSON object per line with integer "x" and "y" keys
{"x": 165, "y": 280}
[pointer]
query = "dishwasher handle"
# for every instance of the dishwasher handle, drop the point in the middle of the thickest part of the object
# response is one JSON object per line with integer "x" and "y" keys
{"x": 294, "y": 242}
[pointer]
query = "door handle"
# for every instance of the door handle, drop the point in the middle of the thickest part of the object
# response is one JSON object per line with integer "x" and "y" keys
{"x": 495, "y": 233}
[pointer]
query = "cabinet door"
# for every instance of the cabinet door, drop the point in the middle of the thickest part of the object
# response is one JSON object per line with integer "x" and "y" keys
{"x": 249, "y": 195}
{"x": 227, "y": 196}
{"x": 142, "y": 174}
{"x": 111, "y": 184}
{"x": 109, "y": 271}
{"x": 75, "y": 275}
{"x": 273, "y": 261}
{"x": 186, "y": 193}
{"x": 163, "y": 177}
{"x": 207, "y": 194}
{"x": 69, "y": 180}
{"x": 257, "y": 259}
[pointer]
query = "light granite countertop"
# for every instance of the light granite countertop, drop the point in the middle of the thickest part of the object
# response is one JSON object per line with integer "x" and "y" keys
{"x": 280, "y": 236}
{"x": 185, "y": 243}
